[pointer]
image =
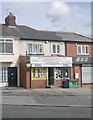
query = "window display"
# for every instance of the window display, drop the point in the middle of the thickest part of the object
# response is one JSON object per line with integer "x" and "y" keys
{"x": 61, "y": 72}
{"x": 39, "y": 73}
{"x": 58, "y": 73}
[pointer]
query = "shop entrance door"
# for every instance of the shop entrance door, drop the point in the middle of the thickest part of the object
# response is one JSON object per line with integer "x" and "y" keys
{"x": 51, "y": 76}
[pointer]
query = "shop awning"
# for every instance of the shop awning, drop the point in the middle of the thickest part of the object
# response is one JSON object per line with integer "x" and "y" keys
{"x": 51, "y": 61}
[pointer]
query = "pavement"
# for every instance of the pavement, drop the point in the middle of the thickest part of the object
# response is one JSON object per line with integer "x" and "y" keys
{"x": 56, "y": 96}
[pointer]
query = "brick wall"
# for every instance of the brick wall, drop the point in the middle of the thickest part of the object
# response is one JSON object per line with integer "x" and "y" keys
{"x": 28, "y": 78}
{"x": 58, "y": 82}
{"x": 24, "y": 74}
{"x": 72, "y": 73}
{"x": 87, "y": 85}
{"x": 39, "y": 83}
{"x": 71, "y": 48}
{"x": 91, "y": 49}
{"x": 77, "y": 69}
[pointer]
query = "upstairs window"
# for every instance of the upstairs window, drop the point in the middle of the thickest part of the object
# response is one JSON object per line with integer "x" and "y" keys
{"x": 35, "y": 48}
{"x": 55, "y": 48}
{"x": 6, "y": 46}
{"x": 83, "y": 49}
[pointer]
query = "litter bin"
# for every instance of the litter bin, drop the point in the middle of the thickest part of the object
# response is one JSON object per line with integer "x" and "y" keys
{"x": 65, "y": 83}
{"x": 74, "y": 83}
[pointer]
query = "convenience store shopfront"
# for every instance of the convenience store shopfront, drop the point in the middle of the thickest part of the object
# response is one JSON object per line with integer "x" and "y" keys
{"x": 49, "y": 71}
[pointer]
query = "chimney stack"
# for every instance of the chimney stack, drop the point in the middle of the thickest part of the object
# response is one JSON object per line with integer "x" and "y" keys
{"x": 10, "y": 20}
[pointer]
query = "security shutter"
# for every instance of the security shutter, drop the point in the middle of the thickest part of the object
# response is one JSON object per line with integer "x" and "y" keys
{"x": 87, "y": 73}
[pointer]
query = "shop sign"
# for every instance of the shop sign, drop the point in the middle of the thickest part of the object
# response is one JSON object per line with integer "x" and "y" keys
{"x": 83, "y": 60}
{"x": 28, "y": 65}
{"x": 51, "y": 61}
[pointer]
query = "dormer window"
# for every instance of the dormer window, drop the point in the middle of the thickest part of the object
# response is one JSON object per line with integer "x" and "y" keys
{"x": 6, "y": 45}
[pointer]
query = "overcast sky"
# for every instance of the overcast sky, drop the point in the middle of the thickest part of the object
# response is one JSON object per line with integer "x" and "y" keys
{"x": 55, "y": 15}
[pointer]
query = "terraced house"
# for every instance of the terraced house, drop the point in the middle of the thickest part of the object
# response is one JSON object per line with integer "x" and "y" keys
{"x": 32, "y": 58}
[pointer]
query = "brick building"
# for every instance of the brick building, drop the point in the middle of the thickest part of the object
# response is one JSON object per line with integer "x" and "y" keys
{"x": 35, "y": 59}
{"x": 81, "y": 51}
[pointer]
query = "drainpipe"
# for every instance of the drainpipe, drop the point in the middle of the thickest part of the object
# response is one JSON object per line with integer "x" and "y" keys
{"x": 65, "y": 48}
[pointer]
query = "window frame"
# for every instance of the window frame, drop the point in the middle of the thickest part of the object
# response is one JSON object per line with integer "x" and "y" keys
{"x": 82, "y": 51}
{"x": 5, "y": 41}
{"x": 37, "y": 49}
{"x": 56, "y": 48}
{"x": 3, "y": 74}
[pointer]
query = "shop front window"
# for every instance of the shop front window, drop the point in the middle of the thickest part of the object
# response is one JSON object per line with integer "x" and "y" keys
{"x": 61, "y": 73}
{"x": 39, "y": 73}
{"x": 58, "y": 73}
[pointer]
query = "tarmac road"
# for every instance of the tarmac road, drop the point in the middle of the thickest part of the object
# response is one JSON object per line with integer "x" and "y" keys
{"x": 44, "y": 103}
{"x": 10, "y": 111}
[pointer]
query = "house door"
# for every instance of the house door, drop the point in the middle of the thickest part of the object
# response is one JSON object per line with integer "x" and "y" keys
{"x": 51, "y": 76}
{"x": 12, "y": 76}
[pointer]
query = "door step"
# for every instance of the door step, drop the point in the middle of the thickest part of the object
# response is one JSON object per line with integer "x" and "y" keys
{"x": 54, "y": 86}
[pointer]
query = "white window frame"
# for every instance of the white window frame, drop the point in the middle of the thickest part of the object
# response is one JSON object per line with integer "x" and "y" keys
{"x": 11, "y": 41}
{"x": 81, "y": 51}
{"x": 3, "y": 74}
{"x": 35, "y": 50}
{"x": 56, "y": 44}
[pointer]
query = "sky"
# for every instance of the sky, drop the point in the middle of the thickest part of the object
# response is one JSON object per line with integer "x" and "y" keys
{"x": 52, "y": 15}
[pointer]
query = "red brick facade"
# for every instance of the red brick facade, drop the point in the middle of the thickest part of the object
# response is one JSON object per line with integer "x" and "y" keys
{"x": 58, "y": 82}
{"x": 71, "y": 50}
{"x": 39, "y": 83}
{"x": 87, "y": 85}
{"x": 24, "y": 74}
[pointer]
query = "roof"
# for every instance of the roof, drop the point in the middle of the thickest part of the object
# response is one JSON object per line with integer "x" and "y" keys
{"x": 27, "y": 33}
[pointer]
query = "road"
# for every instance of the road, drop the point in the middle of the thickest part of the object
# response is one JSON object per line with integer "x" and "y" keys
{"x": 46, "y": 103}
{"x": 11, "y": 111}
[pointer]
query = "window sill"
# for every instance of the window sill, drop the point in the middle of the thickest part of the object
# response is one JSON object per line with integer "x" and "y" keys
{"x": 35, "y": 53}
{"x": 82, "y": 54}
{"x": 56, "y": 54}
{"x": 6, "y": 53}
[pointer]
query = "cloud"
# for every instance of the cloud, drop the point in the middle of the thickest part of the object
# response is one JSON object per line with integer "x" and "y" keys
{"x": 57, "y": 11}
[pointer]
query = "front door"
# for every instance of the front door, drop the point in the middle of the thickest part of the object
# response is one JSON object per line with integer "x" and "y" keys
{"x": 51, "y": 76}
{"x": 12, "y": 76}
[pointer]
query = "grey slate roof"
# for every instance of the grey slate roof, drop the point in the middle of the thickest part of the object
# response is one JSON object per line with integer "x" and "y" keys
{"x": 25, "y": 32}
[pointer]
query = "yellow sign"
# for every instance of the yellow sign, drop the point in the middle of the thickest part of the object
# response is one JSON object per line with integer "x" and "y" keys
{"x": 28, "y": 65}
